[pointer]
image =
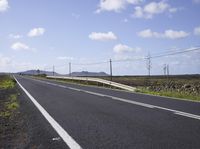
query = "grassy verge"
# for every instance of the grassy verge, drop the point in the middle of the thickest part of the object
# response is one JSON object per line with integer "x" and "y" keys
{"x": 10, "y": 106}
{"x": 12, "y": 122}
{"x": 8, "y": 102}
{"x": 175, "y": 94}
{"x": 6, "y": 82}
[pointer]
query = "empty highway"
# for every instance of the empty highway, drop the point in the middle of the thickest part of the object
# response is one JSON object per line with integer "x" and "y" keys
{"x": 97, "y": 118}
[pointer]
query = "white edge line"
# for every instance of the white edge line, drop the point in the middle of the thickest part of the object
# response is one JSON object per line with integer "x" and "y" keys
{"x": 189, "y": 115}
{"x": 63, "y": 134}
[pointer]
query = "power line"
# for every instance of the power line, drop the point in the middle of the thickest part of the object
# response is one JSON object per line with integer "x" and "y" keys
{"x": 175, "y": 53}
{"x": 171, "y": 50}
{"x": 95, "y": 63}
{"x": 129, "y": 59}
{"x": 59, "y": 66}
{"x": 158, "y": 55}
{"x": 167, "y": 53}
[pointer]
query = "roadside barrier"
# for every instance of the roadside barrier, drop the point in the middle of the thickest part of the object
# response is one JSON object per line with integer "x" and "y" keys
{"x": 111, "y": 83}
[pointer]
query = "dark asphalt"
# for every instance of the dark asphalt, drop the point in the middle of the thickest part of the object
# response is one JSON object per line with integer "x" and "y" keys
{"x": 99, "y": 122}
{"x": 39, "y": 133}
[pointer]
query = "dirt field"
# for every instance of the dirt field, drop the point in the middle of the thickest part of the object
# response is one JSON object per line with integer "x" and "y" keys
{"x": 183, "y": 86}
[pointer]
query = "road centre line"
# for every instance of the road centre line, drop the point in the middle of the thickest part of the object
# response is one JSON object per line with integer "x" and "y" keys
{"x": 189, "y": 115}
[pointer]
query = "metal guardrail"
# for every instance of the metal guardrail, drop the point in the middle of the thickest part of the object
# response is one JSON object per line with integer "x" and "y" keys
{"x": 111, "y": 83}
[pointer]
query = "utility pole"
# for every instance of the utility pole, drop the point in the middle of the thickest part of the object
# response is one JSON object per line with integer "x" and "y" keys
{"x": 70, "y": 69}
{"x": 149, "y": 65}
{"x": 165, "y": 69}
{"x": 110, "y": 70}
{"x": 53, "y": 70}
{"x": 44, "y": 70}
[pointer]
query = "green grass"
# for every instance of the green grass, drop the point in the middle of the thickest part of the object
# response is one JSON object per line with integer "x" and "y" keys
{"x": 13, "y": 103}
{"x": 13, "y": 97}
{"x": 175, "y": 94}
{"x": 10, "y": 106}
{"x": 10, "y": 103}
{"x": 5, "y": 114}
{"x": 6, "y": 82}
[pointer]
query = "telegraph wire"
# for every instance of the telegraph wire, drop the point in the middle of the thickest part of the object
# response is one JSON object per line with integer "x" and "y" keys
{"x": 158, "y": 55}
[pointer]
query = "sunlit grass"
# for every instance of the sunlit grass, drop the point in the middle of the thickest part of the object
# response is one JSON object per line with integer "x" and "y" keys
{"x": 181, "y": 95}
{"x": 10, "y": 106}
{"x": 6, "y": 82}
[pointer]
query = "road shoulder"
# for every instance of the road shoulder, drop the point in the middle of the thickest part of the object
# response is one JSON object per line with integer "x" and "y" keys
{"x": 28, "y": 128}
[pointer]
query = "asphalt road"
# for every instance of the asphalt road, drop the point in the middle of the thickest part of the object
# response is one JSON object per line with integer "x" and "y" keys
{"x": 98, "y": 118}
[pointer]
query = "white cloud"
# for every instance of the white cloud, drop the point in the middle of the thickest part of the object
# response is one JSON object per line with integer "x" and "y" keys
{"x": 197, "y": 30}
{"x": 18, "y": 46}
{"x": 102, "y": 36}
{"x": 65, "y": 58}
{"x": 125, "y": 20}
{"x": 115, "y": 5}
{"x": 17, "y": 36}
{"x": 4, "y": 61}
{"x": 196, "y": 1}
{"x": 170, "y": 34}
{"x": 76, "y": 16}
{"x": 3, "y": 5}
{"x": 138, "y": 12}
{"x": 36, "y": 32}
{"x": 8, "y": 64}
{"x": 153, "y": 8}
{"x": 173, "y": 10}
{"x": 147, "y": 33}
{"x": 122, "y": 48}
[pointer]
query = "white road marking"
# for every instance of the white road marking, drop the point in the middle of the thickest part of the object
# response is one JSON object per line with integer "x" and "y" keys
{"x": 93, "y": 93}
{"x": 132, "y": 102}
{"x": 63, "y": 134}
{"x": 189, "y": 115}
{"x": 56, "y": 139}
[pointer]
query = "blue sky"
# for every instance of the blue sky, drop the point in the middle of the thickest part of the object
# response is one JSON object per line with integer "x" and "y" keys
{"x": 37, "y": 34}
